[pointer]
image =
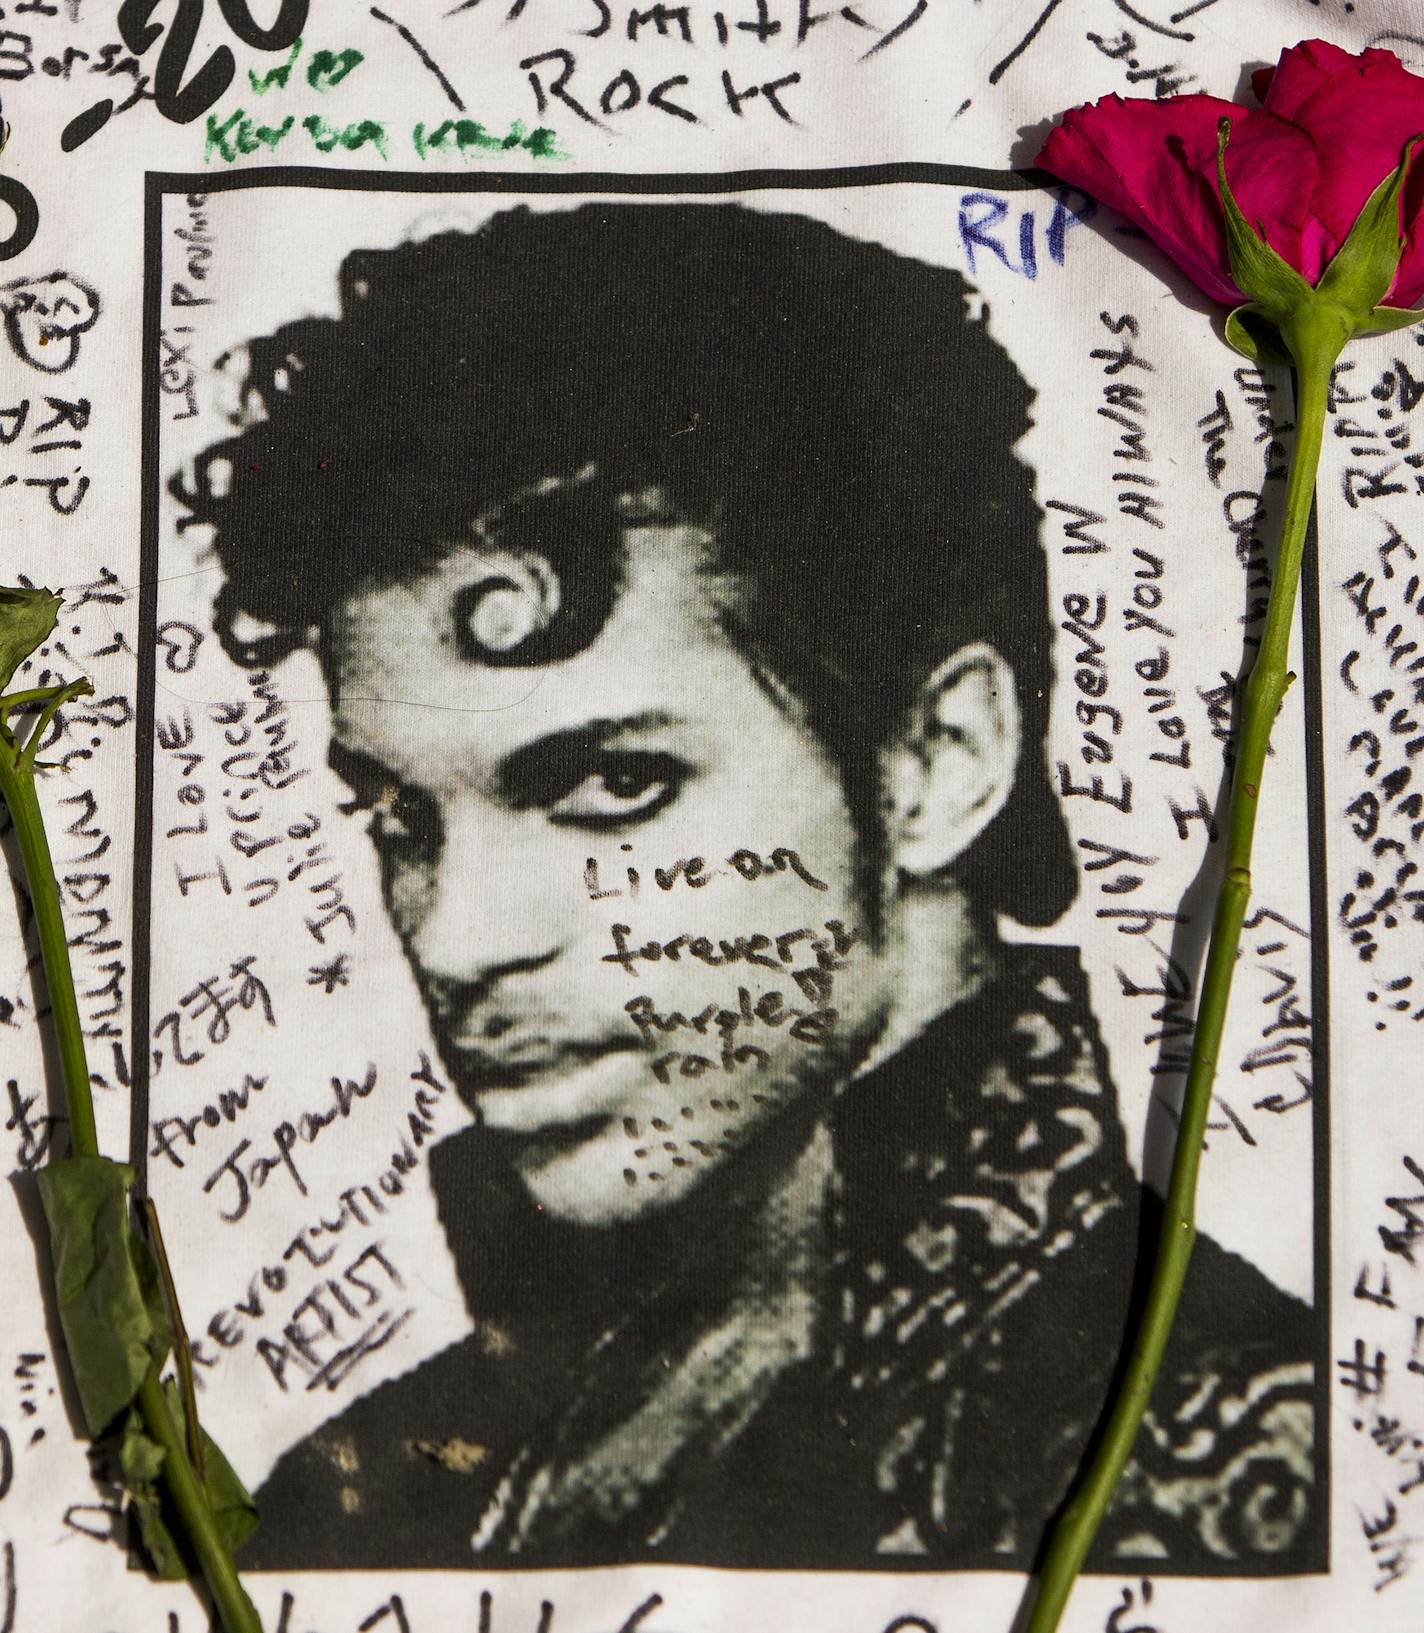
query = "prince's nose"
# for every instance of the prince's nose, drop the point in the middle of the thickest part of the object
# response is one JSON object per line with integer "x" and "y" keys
{"x": 482, "y": 908}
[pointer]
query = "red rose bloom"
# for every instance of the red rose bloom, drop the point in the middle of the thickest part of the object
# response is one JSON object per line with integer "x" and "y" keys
{"x": 1332, "y": 126}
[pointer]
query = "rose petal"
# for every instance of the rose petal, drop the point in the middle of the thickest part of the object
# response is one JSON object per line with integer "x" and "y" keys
{"x": 1272, "y": 168}
{"x": 1333, "y": 126}
{"x": 1302, "y": 70}
{"x": 1155, "y": 163}
{"x": 1360, "y": 118}
{"x": 1119, "y": 152}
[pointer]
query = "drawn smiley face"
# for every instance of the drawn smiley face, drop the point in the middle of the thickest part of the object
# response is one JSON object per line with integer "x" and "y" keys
{"x": 44, "y": 318}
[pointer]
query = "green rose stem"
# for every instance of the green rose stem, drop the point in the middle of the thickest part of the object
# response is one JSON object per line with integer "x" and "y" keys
{"x": 17, "y": 784}
{"x": 1312, "y": 324}
{"x": 1073, "y": 1535}
{"x": 182, "y": 1350}
{"x": 236, "y": 1610}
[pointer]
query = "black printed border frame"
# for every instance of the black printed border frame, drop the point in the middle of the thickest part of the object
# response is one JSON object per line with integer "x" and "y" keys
{"x": 159, "y": 184}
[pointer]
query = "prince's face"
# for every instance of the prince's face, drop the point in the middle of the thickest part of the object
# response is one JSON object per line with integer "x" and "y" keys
{"x": 624, "y": 880}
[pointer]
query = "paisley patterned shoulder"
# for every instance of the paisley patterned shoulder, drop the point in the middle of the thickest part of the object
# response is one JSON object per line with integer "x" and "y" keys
{"x": 991, "y": 1241}
{"x": 1224, "y": 1467}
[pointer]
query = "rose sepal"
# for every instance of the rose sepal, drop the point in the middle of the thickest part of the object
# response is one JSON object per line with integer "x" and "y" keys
{"x": 1270, "y": 284}
{"x": 1363, "y": 269}
{"x": 1251, "y": 331}
{"x": 1313, "y": 333}
{"x": 1385, "y": 319}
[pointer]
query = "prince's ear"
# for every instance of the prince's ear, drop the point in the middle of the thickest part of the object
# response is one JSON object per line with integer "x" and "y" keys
{"x": 953, "y": 765}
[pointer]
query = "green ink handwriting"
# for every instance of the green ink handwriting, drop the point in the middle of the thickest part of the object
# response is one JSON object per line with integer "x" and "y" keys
{"x": 325, "y": 69}
{"x": 275, "y": 78}
{"x": 237, "y": 136}
{"x": 331, "y": 67}
{"x": 467, "y": 136}
{"x": 357, "y": 134}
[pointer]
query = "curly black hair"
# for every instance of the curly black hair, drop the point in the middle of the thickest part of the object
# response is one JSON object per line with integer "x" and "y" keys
{"x": 830, "y": 410}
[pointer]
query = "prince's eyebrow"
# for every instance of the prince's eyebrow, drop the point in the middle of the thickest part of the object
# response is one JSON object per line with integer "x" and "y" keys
{"x": 592, "y": 733}
{"x": 357, "y": 770}
{"x": 530, "y": 772}
{"x": 529, "y": 764}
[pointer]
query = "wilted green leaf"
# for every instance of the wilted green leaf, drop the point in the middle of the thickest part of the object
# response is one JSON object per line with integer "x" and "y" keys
{"x": 166, "y": 1544}
{"x": 26, "y": 619}
{"x": 234, "y": 1511}
{"x": 141, "y": 1461}
{"x": 110, "y": 1299}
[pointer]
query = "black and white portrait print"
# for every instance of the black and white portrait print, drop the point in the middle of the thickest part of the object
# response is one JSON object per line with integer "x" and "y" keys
{"x": 655, "y": 603}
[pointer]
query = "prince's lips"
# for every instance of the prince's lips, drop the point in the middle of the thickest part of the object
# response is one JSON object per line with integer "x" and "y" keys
{"x": 550, "y": 1099}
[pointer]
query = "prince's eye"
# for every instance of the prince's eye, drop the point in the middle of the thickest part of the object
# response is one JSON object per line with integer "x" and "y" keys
{"x": 616, "y": 788}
